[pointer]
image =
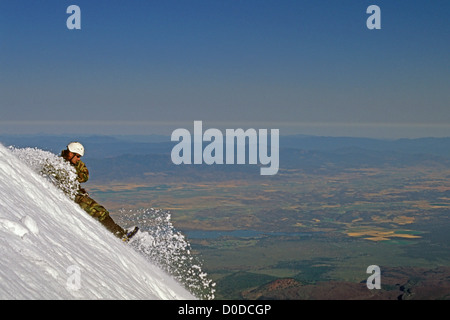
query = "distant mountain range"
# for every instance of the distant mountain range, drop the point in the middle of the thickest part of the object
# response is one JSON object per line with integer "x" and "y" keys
{"x": 134, "y": 157}
{"x": 101, "y": 146}
{"x": 134, "y": 144}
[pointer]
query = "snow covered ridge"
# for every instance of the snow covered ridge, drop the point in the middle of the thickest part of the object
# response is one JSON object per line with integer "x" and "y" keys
{"x": 51, "y": 249}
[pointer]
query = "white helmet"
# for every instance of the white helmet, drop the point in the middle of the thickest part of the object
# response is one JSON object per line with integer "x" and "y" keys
{"x": 76, "y": 147}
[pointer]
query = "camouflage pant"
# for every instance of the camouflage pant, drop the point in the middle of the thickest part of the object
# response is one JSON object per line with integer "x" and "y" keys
{"x": 100, "y": 213}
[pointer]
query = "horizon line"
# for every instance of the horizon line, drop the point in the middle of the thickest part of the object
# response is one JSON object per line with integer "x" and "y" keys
{"x": 375, "y": 130}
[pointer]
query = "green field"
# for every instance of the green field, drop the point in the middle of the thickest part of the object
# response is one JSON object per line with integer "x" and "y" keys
{"x": 309, "y": 227}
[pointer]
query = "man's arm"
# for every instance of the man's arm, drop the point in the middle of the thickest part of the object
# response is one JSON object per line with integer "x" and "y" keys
{"x": 82, "y": 172}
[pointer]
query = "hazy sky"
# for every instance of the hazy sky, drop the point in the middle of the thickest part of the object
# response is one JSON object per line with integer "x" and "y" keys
{"x": 152, "y": 66}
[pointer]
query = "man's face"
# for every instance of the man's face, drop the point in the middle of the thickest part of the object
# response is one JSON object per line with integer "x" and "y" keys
{"x": 74, "y": 157}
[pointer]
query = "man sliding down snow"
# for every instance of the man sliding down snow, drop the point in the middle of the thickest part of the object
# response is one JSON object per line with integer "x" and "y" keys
{"x": 72, "y": 154}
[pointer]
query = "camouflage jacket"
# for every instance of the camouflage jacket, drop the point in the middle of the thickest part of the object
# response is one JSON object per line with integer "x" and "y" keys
{"x": 82, "y": 171}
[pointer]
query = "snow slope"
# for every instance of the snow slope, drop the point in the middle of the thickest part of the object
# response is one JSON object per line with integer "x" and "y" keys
{"x": 51, "y": 249}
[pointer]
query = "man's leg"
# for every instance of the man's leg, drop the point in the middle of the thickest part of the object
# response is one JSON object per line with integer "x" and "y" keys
{"x": 109, "y": 224}
{"x": 100, "y": 213}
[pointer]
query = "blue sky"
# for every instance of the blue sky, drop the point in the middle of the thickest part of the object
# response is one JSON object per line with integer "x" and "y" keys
{"x": 311, "y": 67}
